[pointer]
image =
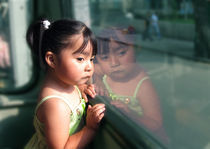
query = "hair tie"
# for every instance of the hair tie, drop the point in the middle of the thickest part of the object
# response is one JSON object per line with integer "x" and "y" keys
{"x": 46, "y": 24}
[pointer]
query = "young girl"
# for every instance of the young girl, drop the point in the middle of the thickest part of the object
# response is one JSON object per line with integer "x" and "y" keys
{"x": 66, "y": 49}
{"x": 125, "y": 82}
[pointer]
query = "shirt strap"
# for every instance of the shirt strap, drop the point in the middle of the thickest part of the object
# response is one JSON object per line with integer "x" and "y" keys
{"x": 50, "y": 97}
{"x": 80, "y": 94}
{"x": 139, "y": 85}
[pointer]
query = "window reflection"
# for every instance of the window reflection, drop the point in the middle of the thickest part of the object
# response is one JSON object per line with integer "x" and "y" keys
{"x": 5, "y": 62}
{"x": 125, "y": 82}
{"x": 175, "y": 56}
{"x": 4, "y": 32}
{"x": 15, "y": 62}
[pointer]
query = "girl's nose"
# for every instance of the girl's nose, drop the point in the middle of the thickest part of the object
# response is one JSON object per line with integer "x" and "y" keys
{"x": 114, "y": 61}
{"x": 89, "y": 66}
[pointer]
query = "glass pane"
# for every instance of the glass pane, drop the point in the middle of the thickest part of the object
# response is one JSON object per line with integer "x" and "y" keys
{"x": 5, "y": 63}
{"x": 15, "y": 60}
{"x": 153, "y": 65}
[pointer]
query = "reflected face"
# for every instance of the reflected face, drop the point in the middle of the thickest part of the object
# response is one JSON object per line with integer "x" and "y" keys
{"x": 75, "y": 67}
{"x": 118, "y": 61}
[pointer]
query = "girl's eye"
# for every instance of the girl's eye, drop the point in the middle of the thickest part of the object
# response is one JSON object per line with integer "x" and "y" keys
{"x": 92, "y": 58}
{"x": 121, "y": 53}
{"x": 104, "y": 57}
{"x": 80, "y": 59}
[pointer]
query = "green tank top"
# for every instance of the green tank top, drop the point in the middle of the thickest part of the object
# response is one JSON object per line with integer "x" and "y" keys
{"x": 38, "y": 140}
{"x": 131, "y": 101}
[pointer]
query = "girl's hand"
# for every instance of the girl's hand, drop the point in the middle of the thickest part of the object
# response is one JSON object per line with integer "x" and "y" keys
{"x": 87, "y": 90}
{"x": 100, "y": 90}
{"x": 120, "y": 105}
{"x": 94, "y": 115}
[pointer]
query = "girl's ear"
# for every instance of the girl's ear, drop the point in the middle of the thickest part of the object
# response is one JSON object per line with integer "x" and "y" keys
{"x": 50, "y": 59}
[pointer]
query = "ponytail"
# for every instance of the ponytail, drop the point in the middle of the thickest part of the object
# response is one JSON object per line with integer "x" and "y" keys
{"x": 34, "y": 37}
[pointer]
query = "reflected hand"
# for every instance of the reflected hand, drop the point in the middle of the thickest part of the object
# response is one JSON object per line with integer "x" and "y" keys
{"x": 120, "y": 105}
{"x": 101, "y": 91}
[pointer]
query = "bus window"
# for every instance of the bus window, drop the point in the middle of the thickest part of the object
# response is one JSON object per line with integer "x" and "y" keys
{"x": 15, "y": 58}
{"x": 168, "y": 44}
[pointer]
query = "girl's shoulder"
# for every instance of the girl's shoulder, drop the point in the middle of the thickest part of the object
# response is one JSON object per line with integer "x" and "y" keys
{"x": 145, "y": 86}
{"x": 50, "y": 96}
{"x": 52, "y": 105}
{"x": 142, "y": 74}
{"x": 52, "y": 99}
{"x": 47, "y": 92}
{"x": 49, "y": 101}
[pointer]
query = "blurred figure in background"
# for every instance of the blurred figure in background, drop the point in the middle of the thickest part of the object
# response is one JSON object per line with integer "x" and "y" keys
{"x": 155, "y": 25}
{"x": 4, "y": 48}
{"x": 147, "y": 29}
{"x": 4, "y": 52}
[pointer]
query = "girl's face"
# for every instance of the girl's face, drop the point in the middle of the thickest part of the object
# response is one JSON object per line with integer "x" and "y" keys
{"x": 75, "y": 67}
{"x": 118, "y": 62}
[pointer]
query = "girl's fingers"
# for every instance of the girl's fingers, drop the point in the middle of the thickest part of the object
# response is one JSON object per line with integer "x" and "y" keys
{"x": 100, "y": 117}
{"x": 89, "y": 107}
{"x": 90, "y": 93}
{"x": 119, "y": 105}
{"x": 99, "y": 112}
{"x": 97, "y": 107}
{"x": 99, "y": 90}
{"x": 85, "y": 97}
{"x": 91, "y": 87}
{"x": 90, "y": 90}
{"x": 95, "y": 114}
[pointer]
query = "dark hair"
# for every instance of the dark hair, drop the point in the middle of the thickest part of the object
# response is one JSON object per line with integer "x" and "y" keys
{"x": 55, "y": 38}
{"x": 121, "y": 35}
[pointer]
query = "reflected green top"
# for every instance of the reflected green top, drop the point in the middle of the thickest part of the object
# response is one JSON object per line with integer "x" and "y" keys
{"x": 38, "y": 139}
{"x": 131, "y": 101}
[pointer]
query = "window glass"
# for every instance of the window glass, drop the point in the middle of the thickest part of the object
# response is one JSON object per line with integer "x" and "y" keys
{"x": 15, "y": 58}
{"x": 153, "y": 65}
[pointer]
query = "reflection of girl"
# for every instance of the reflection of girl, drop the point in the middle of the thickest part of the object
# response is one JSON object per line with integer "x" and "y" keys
{"x": 66, "y": 49}
{"x": 125, "y": 82}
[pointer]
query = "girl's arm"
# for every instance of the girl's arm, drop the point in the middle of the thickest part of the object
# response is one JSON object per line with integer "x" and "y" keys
{"x": 55, "y": 114}
{"x": 152, "y": 117}
{"x": 150, "y": 105}
{"x": 83, "y": 138}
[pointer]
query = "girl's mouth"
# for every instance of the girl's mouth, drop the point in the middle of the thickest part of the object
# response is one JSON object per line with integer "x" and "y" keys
{"x": 87, "y": 77}
{"x": 116, "y": 72}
